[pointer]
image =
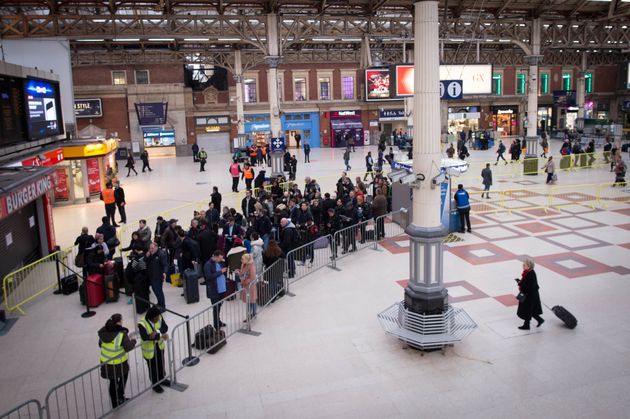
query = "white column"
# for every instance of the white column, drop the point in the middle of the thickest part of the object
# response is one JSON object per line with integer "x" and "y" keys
{"x": 273, "y": 59}
{"x": 426, "y": 104}
{"x": 581, "y": 87}
{"x": 238, "y": 77}
{"x": 532, "y": 91}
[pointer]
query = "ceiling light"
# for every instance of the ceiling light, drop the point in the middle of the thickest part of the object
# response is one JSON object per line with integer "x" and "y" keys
{"x": 126, "y": 39}
{"x": 99, "y": 20}
{"x": 90, "y": 40}
{"x": 196, "y": 39}
{"x": 504, "y": 40}
{"x": 229, "y": 39}
{"x": 161, "y": 39}
{"x": 323, "y": 39}
{"x": 351, "y": 39}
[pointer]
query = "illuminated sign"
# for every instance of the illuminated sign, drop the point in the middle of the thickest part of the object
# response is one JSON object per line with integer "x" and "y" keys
{"x": 476, "y": 78}
{"x": 377, "y": 86}
{"x": 43, "y": 109}
{"x": 25, "y": 194}
{"x": 88, "y": 108}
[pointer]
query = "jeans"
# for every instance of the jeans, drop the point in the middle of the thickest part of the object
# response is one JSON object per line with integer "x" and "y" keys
{"x": 156, "y": 365}
{"x": 252, "y": 309}
{"x": 265, "y": 239}
{"x": 549, "y": 177}
{"x": 464, "y": 214}
{"x": 156, "y": 286}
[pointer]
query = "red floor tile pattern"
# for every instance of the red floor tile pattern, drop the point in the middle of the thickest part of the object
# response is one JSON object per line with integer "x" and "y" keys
{"x": 521, "y": 193}
{"x": 540, "y": 212}
{"x": 392, "y": 246}
{"x": 475, "y": 293}
{"x": 497, "y": 253}
{"x": 508, "y": 300}
{"x": 535, "y": 227}
{"x": 624, "y": 226}
{"x": 575, "y": 197}
{"x": 626, "y": 245}
{"x": 589, "y": 266}
{"x": 624, "y": 211}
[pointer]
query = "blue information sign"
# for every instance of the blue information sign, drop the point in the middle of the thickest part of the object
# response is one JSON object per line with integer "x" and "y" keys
{"x": 278, "y": 145}
{"x": 451, "y": 89}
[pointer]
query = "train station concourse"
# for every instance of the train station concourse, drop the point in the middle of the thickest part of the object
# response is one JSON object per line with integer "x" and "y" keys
{"x": 314, "y": 209}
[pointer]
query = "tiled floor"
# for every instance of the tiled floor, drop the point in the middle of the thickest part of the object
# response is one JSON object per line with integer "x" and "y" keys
{"x": 322, "y": 353}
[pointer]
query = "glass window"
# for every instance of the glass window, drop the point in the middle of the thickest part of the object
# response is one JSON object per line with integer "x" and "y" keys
{"x": 566, "y": 81}
{"x": 588, "y": 82}
{"x": 249, "y": 91}
{"x": 299, "y": 93}
{"x": 142, "y": 76}
{"x": 496, "y": 84}
{"x": 324, "y": 88}
{"x": 544, "y": 84}
{"x": 347, "y": 87}
{"x": 520, "y": 84}
{"x": 119, "y": 77}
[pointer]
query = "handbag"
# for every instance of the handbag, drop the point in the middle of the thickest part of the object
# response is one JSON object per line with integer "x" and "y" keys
{"x": 554, "y": 177}
{"x": 112, "y": 242}
{"x": 521, "y": 297}
{"x": 321, "y": 243}
{"x": 79, "y": 260}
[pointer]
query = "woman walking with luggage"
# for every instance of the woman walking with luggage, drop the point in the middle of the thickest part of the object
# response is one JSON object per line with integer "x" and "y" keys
{"x": 529, "y": 299}
{"x": 114, "y": 342}
{"x": 550, "y": 169}
{"x": 247, "y": 274}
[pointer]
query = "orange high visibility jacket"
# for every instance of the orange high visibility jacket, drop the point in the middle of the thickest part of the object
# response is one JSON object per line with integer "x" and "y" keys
{"x": 108, "y": 196}
{"x": 248, "y": 173}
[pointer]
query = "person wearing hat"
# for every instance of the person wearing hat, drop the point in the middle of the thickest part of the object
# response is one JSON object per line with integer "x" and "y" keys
{"x": 114, "y": 343}
{"x": 153, "y": 339}
{"x": 169, "y": 239}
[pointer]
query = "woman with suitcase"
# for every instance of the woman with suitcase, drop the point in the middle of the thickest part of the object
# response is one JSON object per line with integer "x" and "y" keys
{"x": 529, "y": 304}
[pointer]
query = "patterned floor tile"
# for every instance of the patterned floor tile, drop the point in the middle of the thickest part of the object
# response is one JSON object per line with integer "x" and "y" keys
{"x": 575, "y": 223}
{"x": 624, "y": 226}
{"x": 499, "y": 232}
{"x": 573, "y": 265}
{"x": 574, "y": 241}
{"x": 536, "y": 227}
{"x": 458, "y": 291}
{"x": 508, "y": 300}
{"x": 624, "y": 211}
{"x": 396, "y": 245}
{"x": 494, "y": 253}
{"x": 541, "y": 212}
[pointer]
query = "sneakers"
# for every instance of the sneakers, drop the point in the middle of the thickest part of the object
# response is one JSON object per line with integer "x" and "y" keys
{"x": 166, "y": 383}
{"x": 130, "y": 301}
{"x": 310, "y": 265}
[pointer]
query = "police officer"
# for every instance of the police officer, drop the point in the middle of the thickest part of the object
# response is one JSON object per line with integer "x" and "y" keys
{"x": 153, "y": 337}
{"x": 114, "y": 342}
{"x": 462, "y": 200}
{"x": 109, "y": 198}
{"x": 203, "y": 157}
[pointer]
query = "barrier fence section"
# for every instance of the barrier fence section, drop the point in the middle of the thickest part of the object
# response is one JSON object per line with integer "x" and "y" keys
{"x": 27, "y": 283}
{"x": 101, "y": 389}
{"x": 308, "y": 258}
{"x": 270, "y": 284}
{"x": 353, "y": 238}
{"x": 28, "y": 410}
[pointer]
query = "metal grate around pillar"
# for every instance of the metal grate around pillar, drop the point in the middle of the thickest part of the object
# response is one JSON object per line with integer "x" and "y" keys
{"x": 426, "y": 332}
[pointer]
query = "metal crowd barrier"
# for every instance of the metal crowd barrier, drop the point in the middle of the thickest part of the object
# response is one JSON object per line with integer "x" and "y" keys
{"x": 29, "y": 282}
{"x": 309, "y": 258}
{"x": 271, "y": 283}
{"x": 89, "y": 395}
{"x": 28, "y": 410}
{"x": 353, "y": 238}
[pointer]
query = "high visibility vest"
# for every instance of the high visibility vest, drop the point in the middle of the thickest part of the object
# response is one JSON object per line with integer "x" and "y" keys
{"x": 113, "y": 353}
{"x": 234, "y": 170}
{"x": 249, "y": 173}
{"x": 148, "y": 346}
{"x": 108, "y": 196}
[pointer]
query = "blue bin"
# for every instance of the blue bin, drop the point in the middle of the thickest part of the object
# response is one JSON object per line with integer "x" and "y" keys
{"x": 453, "y": 225}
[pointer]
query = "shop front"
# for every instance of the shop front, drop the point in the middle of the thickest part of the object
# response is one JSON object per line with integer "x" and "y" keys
{"x": 505, "y": 120}
{"x": 463, "y": 118}
{"x": 305, "y": 124}
{"x": 391, "y": 120}
{"x": 87, "y": 166}
{"x": 544, "y": 118}
{"x": 346, "y": 124}
{"x": 258, "y": 128}
{"x": 26, "y": 221}
{"x": 213, "y": 133}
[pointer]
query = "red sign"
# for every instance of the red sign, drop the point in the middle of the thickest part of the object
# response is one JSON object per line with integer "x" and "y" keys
{"x": 377, "y": 84}
{"x": 24, "y": 195}
{"x": 94, "y": 176}
{"x": 404, "y": 80}
{"x": 50, "y": 225}
{"x": 49, "y": 158}
{"x": 61, "y": 185}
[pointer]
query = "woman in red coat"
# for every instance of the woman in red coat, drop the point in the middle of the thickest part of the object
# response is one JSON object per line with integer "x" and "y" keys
{"x": 530, "y": 305}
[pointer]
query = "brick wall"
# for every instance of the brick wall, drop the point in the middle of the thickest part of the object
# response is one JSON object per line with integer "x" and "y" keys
{"x": 115, "y": 118}
{"x": 102, "y": 75}
{"x": 605, "y": 79}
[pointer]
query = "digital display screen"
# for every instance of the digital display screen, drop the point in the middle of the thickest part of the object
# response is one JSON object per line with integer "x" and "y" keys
{"x": 151, "y": 113}
{"x": 12, "y": 129}
{"x": 476, "y": 78}
{"x": 43, "y": 108}
{"x": 628, "y": 79}
{"x": 159, "y": 138}
{"x": 377, "y": 84}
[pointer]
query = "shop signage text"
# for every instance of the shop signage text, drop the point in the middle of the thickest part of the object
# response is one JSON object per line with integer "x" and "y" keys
{"x": 344, "y": 114}
{"x": 24, "y": 195}
{"x": 49, "y": 158}
{"x": 391, "y": 115}
{"x": 505, "y": 111}
{"x": 88, "y": 108}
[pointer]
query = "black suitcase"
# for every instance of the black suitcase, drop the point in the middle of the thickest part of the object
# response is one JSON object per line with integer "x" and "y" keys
{"x": 563, "y": 314}
{"x": 217, "y": 342}
{"x": 203, "y": 337}
{"x": 119, "y": 270}
{"x": 191, "y": 286}
{"x": 111, "y": 288}
{"x": 69, "y": 284}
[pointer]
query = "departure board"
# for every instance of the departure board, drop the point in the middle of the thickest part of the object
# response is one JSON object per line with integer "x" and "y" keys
{"x": 12, "y": 117}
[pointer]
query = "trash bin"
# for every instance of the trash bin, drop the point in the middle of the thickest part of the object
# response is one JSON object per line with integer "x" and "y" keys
{"x": 530, "y": 166}
{"x": 565, "y": 162}
{"x": 453, "y": 222}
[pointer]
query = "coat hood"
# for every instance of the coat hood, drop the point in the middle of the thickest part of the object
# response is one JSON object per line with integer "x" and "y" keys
{"x": 108, "y": 336}
{"x": 258, "y": 242}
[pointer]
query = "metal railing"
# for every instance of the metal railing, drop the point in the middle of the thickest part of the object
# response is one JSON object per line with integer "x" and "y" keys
{"x": 28, "y": 410}
{"x": 353, "y": 238}
{"x": 29, "y": 282}
{"x": 308, "y": 258}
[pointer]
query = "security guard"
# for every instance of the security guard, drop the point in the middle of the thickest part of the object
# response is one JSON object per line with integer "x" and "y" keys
{"x": 203, "y": 157}
{"x": 153, "y": 336}
{"x": 248, "y": 175}
{"x": 462, "y": 201}
{"x": 114, "y": 342}
{"x": 109, "y": 198}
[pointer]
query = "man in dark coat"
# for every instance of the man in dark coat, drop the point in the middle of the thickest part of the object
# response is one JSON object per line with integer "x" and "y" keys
{"x": 136, "y": 272}
{"x": 109, "y": 236}
{"x": 119, "y": 195}
{"x": 248, "y": 206}
{"x": 290, "y": 241}
{"x": 207, "y": 242}
{"x": 214, "y": 273}
{"x": 486, "y": 176}
{"x": 216, "y": 198}
{"x": 157, "y": 268}
{"x": 529, "y": 306}
{"x": 144, "y": 156}
{"x": 160, "y": 228}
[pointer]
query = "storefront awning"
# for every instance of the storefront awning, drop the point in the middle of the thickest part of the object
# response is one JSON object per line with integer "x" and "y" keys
{"x": 345, "y": 124}
{"x": 20, "y": 186}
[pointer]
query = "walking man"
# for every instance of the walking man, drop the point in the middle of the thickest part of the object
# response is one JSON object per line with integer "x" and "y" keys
{"x": 144, "y": 156}
{"x": 369, "y": 166}
{"x": 195, "y": 150}
{"x": 346, "y": 158}
{"x": 486, "y": 176}
{"x": 108, "y": 197}
{"x": 298, "y": 138}
{"x": 153, "y": 336}
{"x": 216, "y": 287}
{"x": 500, "y": 152}
{"x": 462, "y": 200}
{"x": 119, "y": 196}
{"x": 307, "y": 152}
{"x": 203, "y": 157}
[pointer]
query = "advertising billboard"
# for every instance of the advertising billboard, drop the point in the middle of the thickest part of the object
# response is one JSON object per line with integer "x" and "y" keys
{"x": 88, "y": 108}
{"x": 151, "y": 113}
{"x": 377, "y": 84}
{"x": 476, "y": 78}
{"x": 43, "y": 113}
{"x": 11, "y": 110}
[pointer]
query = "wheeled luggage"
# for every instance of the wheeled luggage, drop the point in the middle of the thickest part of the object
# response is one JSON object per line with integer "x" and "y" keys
{"x": 93, "y": 290}
{"x": 230, "y": 289}
{"x": 208, "y": 338}
{"x": 119, "y": 270}
{"x": 69, "y": 284}
{"x": 563, "y": 314}
{"x": 191, "y": 286}
{"x": 111, "y": 288}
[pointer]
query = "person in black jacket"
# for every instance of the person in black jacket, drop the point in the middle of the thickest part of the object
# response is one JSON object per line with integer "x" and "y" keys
{"x": 248, "y": 206}
{"x": 259, "y": 182}
{"x": 114, "y": 371}
{"x": 84, "y": 242}
{"x": 160, "y": 228}
{"x": 214, "y": 273}
{"x": 136, "y": 273}
{"x": 157, "y": 268}
{"x": 263, "y": 226}
{"x": 207, "y": 242}
{"x": 530, "y": 306}
{"x": 119, "y": 196}
{"x": 189, "y": 251}
{"x": 290, "y": 240}
{"x": 95, "y": 259}
{"x": 109, "y": 236}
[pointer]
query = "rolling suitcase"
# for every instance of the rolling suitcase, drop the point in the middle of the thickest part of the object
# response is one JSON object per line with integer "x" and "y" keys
{"x": 69, "y": 284}
{"x": 217, "y": 342}
{"x": 563, "y": 314}
{"x": 111, "y": 288}
{"x": 93, "y": 287}
{"x": 191, "y": 286}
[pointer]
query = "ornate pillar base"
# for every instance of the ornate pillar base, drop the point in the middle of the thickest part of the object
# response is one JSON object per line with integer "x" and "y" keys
{"x": 426, "y": 293}
{"x": 277, "y": 164}
{"x": 530, "y": 162}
